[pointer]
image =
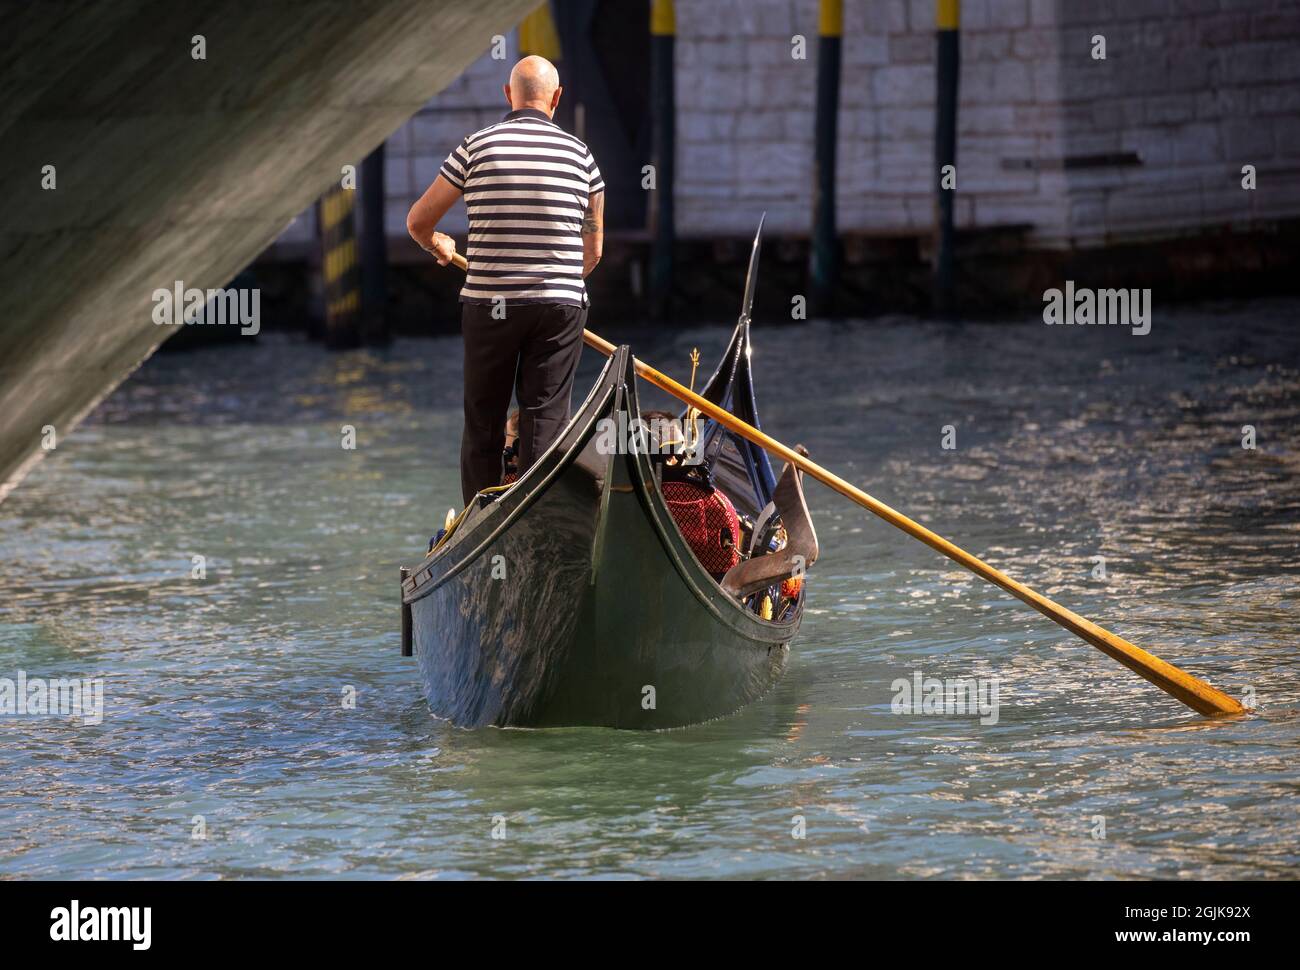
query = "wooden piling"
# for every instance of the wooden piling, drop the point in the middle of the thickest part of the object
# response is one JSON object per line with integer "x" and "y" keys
{"x": 824, "y": 263}
{"x": 340, "y": 268}
{"x": 663, "y": 116}
{"x": 374, "y": 250}
{"x": 948, "y": 58}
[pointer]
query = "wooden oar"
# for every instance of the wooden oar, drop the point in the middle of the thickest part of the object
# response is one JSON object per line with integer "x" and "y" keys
{"x": 1192, "y": 691}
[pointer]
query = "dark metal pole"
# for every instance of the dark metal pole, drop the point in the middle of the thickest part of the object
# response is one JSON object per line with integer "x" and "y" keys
{"x": 947, "y": 22}
{"x": 825, "y": 242}
{"x": 374, "y": 249}
{"x": 316, "y": 277}
{"x": 663, "y": 114}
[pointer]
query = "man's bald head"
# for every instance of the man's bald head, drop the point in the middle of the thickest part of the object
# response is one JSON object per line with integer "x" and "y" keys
{"x": 534, "y": 83}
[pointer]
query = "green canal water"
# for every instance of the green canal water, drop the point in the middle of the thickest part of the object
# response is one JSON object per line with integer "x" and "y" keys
{"x": 226, "y": 697}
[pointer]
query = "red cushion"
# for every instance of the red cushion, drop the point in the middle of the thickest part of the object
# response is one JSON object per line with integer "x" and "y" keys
{"x": 707, "y": 521}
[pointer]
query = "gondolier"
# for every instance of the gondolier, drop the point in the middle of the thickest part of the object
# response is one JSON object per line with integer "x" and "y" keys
{"x": 535, "y": 199}
{"x": 626, "y": 573}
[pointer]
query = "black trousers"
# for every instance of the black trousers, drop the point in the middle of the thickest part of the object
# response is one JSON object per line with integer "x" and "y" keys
{"x": 533, "y": 351}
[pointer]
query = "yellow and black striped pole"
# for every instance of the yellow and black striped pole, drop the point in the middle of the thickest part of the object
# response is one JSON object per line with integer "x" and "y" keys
{"x": 537, "y": 34}
{"x": 373, "y": 250}
{"x": 948, "y": 59}
{"x": 663, "y": 148}
{"x": 339, "y": 269}
{"x": 824, "y": 268}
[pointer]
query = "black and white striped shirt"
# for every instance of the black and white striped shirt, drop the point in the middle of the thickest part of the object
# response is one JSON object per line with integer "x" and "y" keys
{"x": 526, "y": 183}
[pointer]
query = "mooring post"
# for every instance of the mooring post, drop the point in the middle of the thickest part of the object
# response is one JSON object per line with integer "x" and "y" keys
{"x": 948, "y": 57}
{"x": 340, "y": 270}
{"x": 374, "y": 250}
{"x": 663, "y": 119}
{"x": 316, "y": 275}
{"x": 824, "y": 266}
{"x": 537, "y": 34}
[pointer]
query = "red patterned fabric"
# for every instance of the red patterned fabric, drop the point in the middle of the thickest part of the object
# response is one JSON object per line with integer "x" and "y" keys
{"x": 707, "y": 521}
{"x": 791, "y": 587}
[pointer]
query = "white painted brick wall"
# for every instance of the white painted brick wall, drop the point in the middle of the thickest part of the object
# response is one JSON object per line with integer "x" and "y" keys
{"x": 1196, "y": 87}
{"x": 886, "y": 117}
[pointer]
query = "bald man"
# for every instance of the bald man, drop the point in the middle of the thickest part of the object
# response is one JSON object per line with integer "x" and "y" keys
{"x": 536, "y": 208}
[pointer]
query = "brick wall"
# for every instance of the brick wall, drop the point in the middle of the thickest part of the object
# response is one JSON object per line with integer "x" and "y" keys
{"x": 1196, "y": 88}
{"x": 745, "y": 114}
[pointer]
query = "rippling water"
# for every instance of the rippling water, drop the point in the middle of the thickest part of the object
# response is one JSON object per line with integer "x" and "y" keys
{"x": 225, "y": 695}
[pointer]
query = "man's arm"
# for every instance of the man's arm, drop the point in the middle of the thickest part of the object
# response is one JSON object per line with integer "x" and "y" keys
{"x": 425, "y": 215}
{"x": 593, "y": 233}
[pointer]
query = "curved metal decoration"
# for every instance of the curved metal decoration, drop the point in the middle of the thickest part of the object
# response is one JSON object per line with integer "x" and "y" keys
{"x": 751, "y": 277}
{"x": 732, "y": 388}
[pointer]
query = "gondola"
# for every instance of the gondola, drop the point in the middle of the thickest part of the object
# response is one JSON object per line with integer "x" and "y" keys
{"x": 572, "y": 598}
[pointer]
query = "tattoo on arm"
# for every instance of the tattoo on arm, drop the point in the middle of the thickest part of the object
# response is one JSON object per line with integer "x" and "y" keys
{"x": 593, "y": 232}
{"x": 594, "y": 219}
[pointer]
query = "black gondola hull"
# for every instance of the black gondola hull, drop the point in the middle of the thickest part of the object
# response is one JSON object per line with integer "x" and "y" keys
{"x": 573, "y": 600}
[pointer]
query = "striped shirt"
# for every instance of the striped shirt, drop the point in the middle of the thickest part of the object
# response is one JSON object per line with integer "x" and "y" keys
{"x": 526, "y": 183}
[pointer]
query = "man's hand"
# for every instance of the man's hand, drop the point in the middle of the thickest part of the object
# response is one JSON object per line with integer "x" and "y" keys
{"x": 443, "y": 248}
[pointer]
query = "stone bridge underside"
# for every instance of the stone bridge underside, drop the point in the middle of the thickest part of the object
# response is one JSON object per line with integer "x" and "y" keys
{"x": 172, "y": 168}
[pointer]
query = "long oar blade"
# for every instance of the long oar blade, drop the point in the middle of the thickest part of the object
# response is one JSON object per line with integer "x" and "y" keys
{"x": 1192, "y": 691}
